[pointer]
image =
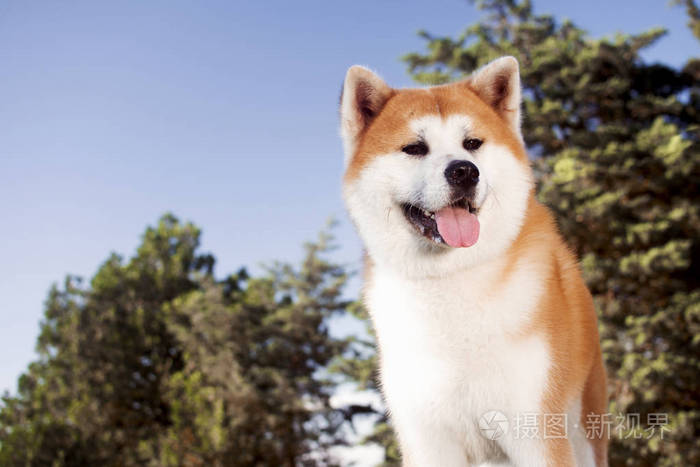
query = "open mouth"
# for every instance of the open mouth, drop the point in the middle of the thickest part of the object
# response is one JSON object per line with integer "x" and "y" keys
{"x": 455, "y": 225}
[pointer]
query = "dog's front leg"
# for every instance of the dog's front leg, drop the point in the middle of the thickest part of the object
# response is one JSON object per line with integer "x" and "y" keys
{"x": 426, "y": 445}
{"x": 538, "y": 452}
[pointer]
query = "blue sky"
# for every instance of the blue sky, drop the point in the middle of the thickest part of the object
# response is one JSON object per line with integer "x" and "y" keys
{"x": 224, "y": 113}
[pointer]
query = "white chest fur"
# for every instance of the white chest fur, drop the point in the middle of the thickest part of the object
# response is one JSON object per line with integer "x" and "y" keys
{"x": 452, "y": 349}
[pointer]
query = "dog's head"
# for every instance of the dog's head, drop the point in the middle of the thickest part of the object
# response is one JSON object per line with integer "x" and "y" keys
{"x": 435, "y": 178}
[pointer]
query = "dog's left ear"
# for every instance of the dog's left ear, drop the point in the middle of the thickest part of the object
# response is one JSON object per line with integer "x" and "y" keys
{"x": 498, "y": 84}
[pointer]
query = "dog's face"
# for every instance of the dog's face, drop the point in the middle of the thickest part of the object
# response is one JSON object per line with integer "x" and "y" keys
{"x": 435, "y": 178}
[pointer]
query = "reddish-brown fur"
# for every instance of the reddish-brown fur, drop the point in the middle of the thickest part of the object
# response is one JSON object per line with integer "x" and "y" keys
{"x": 567, "y": 317}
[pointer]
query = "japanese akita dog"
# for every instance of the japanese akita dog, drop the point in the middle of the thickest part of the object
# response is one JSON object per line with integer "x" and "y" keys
{"x": 487, "y": 335}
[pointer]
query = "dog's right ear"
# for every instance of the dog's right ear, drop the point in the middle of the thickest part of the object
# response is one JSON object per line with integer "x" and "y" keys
{"x": 364, "y": 95}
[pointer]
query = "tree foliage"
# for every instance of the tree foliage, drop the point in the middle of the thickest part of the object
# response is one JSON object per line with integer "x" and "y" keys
{"x": 157, "y": 363}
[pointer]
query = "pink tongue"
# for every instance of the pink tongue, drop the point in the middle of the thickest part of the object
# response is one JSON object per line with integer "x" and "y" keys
{"x": 457, "y": 226}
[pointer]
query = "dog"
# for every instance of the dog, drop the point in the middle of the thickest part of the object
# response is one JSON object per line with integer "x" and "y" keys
{"x": 487, "y": 335}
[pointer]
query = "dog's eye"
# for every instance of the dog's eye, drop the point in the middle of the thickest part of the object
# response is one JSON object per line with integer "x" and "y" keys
{"x": 416, "y": 149}
{"x": 472, "y": 144}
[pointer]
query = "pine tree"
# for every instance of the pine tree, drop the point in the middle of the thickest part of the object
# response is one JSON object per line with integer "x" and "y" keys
{"x": 157, "y": 363}
{"x": 105, "y": 354}
{"x": 614, "y": 141}
{"x": 252, "y": 390}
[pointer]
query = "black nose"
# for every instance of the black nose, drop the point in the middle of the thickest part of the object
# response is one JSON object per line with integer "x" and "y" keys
{"x": 462, "y": 174}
